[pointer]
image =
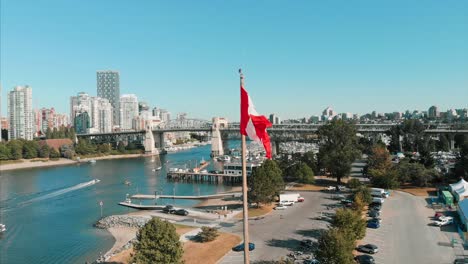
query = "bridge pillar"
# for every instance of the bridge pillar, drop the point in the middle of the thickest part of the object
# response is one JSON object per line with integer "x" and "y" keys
{"x": 149, "y": 143}
{"x": 275, "y": 148}
{"x": 216, "y": 138}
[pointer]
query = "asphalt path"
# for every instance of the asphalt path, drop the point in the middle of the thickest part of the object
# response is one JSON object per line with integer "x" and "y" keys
{"x": 281, "y": 231}
{"x": 406, "y": 234}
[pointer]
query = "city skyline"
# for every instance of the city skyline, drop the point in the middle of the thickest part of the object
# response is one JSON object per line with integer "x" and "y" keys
{"x": 298, "y": 59}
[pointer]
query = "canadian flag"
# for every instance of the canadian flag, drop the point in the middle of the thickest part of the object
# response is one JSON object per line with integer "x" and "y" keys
{"x": 252, "y": 124}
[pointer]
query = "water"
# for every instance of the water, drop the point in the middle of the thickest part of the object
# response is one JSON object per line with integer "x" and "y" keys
{"x": 50, "y": 212}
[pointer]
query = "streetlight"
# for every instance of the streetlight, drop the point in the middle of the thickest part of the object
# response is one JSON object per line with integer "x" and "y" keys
{"x": 101, "y": 204}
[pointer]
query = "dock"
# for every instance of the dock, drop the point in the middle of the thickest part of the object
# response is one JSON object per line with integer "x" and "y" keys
{"x": 190, "y": 197}
{"x": 142, "y": 206}
{"x": 203, "y": 177}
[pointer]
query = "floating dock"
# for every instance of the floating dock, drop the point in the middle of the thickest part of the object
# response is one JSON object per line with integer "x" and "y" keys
{"x": 142, "y": 206}
{"x": 191, "y": 197}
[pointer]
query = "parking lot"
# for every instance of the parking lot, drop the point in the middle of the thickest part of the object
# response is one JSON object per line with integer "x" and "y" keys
{"x": 406, "y": 234}
{"x": 280, "y": 232}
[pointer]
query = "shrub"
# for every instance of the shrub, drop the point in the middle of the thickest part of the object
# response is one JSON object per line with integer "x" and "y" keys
{"x": 207, "y": 234}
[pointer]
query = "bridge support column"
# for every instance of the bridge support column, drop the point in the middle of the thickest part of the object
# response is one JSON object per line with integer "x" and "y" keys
{"x": 275, "y": 148}
{"x": 149, "y": 143}
{"x": 216, "y": 139}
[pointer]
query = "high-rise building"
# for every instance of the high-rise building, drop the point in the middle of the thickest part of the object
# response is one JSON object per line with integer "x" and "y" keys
{"x": 157, "y": 112}
{"x": 165, "y": 115}
{"x": 108, "y": 87}
{"x": 102, "y": 115}
{"x": 128, "y": 111}
{"x": 99, "y": 113}
{"x": 433, "y": 112}
{"x": 20, "y": 113}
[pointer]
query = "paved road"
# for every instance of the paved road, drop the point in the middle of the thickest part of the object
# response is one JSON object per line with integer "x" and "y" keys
{"x": 281, "y": 232}
{"x": 406, "y": 236}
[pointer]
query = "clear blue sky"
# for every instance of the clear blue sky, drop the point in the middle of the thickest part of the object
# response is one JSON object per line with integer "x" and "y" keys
{"x": 298, "y": 56}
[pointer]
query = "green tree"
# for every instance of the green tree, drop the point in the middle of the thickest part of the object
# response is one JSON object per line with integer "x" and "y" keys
{"x": 48, "y": 133}
{"x": 364, "y": 192}
{"x": 72, "y": 133}
{"x": 44, "y": 151}
{"x": 443, "y": 143}
{"x": 338, "y": 148}
{"x": 157, "y": 242}
{"x": 310, "y": 160}
{"x": 354, "y": 183}
{"x": 131, "y": 146}
{"x": 265, "y": 183}
{"x": 415, "y": 173}
{"x": 207, "y": 234}
{"x": 85, "y": 147}
{"x": 5, "y": 152}
{"x": 462, "y": 162}
{"x": 302, "y": 173}
{"x": 55, "y": 133}
{"x": 387, "y": 179}
{"x": 104, "y": 148}
{"x": 54, "y": 154}
{"x": 16, "y": 148}
{"x": 351, "y": 223}
{"x": 379, "y": 158}
{"x": 394, "y": 132}
{"x": 61, "y": 132}
{"x": 121, "y": 147}
{"x": 30, "y": 149}
{"x": 334, "y": 247}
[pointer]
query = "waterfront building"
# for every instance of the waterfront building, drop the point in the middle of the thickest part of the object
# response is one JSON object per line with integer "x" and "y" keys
{"x": 143, "y": 106}
{"x": 128, "y": 111}
{"x": 37, "y": 127}
{"x": 314, "y": 119}
{"x": 4, "y": 124}
{"x": 108, "y": 87}
{"x": 157, "y": 112}
{"x": 61, "y": 120}
{"x": 20, "y": 113}
{"x": 79, "y": 104}
{"x": 102, "y": 115}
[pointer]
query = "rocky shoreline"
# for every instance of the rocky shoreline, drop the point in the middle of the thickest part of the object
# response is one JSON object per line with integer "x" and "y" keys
{"x": 124, "y": 222}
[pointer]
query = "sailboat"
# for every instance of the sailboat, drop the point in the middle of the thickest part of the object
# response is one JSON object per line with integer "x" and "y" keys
{"x": 2, "y": 228}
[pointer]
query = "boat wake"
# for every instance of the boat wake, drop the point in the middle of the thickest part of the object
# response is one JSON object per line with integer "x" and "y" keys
{"x": 60, "y": 192}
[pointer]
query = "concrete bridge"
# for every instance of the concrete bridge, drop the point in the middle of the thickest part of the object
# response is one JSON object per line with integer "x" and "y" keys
{"x": 219, "y": 131}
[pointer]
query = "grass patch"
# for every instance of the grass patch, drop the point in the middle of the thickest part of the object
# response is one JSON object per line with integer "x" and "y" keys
{"x": 256, "y": 212}
{"x": 306, "y": 187}
{"x": 209, "y": 252}
{"x": 5, "y": 162}
{"x": 39, "y": 160}
{"x": 182, "y": 229}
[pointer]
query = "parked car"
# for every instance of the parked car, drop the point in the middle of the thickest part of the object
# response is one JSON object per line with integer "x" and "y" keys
{"x": 445, "y": 217}
{"x": 331, "y": 188}
{"x": 373, "y": 214}
{"x": 240, "y": 247}
{"x": 368, "y": 248}
{"x": 373, "y": 224}
{"x": 311, "y": 261}
{"x": 169, "y": 209}
{"x": 444, "y": 222}
{"x": 346, "y": 201}
{"x": 364, "y": 259}
{"x": 281, "y": 207}
{"x": 181, "y": 212}
{"x": 461, "y": 261}
{"x": 378, "y": 200}
{"x": 377, "y": 207}
{"x": 300, "y": 199}
{"x": 438, "y": 215}
{"x": 307, "y": 243}
{"x": 376, "y": 219}
{"x": 286, "y": 203}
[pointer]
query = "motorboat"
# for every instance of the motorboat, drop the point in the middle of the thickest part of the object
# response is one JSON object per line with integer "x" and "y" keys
{"x": 92, "y": 161}
{"x": 127, "y": 182}
{"x": 96, "y": 180}
{"x": 2, "y": 228}
{"x": 158, "y": 168}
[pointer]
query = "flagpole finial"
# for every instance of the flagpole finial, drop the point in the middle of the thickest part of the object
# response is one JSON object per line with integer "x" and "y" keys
{"x": 241, "y": 77}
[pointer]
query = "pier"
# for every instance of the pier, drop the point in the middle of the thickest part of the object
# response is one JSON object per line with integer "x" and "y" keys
{"x": 204, "y": 177}
{"x": 191, "y": 197}
{"x": 142, "y": 206}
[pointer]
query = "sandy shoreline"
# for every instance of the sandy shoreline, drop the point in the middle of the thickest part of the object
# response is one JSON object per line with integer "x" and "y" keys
{"x": 27, "y": 164}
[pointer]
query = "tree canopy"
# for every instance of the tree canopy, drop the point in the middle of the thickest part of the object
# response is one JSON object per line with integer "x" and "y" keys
{"x": 158, "y": 242}
{"x": 338, "y": 148}
{"x": 265, "y": 182}
{"x": 334, "y": 247}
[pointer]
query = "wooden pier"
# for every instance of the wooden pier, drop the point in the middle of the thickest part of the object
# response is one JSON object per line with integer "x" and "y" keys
{"x": 204, "y": 177}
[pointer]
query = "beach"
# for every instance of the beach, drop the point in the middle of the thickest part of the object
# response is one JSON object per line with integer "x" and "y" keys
{"x": 27, "y": 164}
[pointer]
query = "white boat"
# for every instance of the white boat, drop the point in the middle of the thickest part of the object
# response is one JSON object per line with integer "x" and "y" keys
{"x": 92, "y": 161}
{"x": 158, "y": 168}
{"x": 96, "y": 180}
{"x": 2, "y": 228}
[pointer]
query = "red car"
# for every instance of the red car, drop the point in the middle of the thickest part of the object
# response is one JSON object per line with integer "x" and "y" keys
{"x": 300, "y": 199}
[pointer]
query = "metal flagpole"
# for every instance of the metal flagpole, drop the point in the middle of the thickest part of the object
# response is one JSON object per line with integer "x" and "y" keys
{"x": 244, "y": 193}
